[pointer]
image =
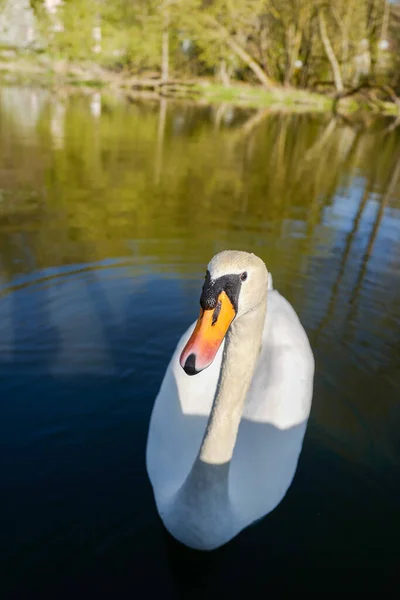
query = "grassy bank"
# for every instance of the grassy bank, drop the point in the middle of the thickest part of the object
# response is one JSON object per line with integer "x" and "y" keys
{"x": 60, "y": 75}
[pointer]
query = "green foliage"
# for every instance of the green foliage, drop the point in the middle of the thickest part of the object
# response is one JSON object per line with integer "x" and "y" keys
{"x": 229, "y": 37}
{"x": 124, "y": 41}
{"x": 76, "y": 40}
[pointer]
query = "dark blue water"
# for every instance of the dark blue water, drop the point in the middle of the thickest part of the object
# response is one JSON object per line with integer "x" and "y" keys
{"x": 94, "y": 294}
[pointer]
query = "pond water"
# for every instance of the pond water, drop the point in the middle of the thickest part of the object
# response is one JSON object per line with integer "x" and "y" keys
{"x": 109, "y": 213}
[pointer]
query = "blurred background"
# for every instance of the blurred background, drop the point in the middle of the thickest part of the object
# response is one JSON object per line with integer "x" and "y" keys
{"x": 111, "y": 205}
{"x": 309, "y": 44}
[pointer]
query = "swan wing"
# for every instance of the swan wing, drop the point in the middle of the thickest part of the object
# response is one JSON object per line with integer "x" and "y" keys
{"x": 275, "y": 415}
{"x": 178, "y": 421}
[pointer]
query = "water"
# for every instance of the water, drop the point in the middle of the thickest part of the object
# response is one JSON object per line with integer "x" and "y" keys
{"x": 109, "y": 212}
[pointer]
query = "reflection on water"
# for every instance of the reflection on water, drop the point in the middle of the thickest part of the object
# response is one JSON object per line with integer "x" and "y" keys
{"x": 109, "y": 212}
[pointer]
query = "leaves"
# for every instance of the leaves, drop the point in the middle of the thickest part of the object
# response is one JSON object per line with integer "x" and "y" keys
{"x": 271, "y": 41}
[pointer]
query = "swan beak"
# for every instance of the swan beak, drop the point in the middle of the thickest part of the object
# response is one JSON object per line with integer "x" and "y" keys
{"x": 207, "y": 336}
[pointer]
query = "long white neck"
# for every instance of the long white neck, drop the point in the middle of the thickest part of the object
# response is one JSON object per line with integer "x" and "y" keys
{"x": 211, "y": 467}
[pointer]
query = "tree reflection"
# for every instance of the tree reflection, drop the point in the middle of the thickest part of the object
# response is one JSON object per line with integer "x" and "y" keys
{"x": 90, "y": 182}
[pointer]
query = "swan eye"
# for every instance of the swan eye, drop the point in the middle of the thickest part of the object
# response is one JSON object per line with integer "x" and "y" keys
{"x": 243, "y": 276}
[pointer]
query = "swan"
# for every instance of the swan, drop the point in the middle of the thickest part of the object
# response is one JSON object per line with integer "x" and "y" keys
{"x": 228, "y": 423}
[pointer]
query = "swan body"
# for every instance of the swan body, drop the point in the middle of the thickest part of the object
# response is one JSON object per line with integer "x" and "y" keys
{"x": 223, "y": 445}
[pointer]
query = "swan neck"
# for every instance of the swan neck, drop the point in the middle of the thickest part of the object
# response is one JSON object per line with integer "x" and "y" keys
{"x": 207, "y": 485}
{"x": 240, "y": 356}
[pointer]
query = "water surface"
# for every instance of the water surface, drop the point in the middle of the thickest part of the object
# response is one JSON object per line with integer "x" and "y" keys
{"x": 109, "y": 213}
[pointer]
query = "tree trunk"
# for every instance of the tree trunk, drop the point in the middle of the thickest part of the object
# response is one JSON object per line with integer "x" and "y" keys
{"x": 223, "y": 74}
{"x": 250, "y": 62}
{"x": 337, "y": 77}
{"x": 305, "y": 72}
{"x": 165, "y": 50}
{"x": 294, "y": 44}
{"x": 243, "y": 54}
{"x": 158, "y": 163}
{"x": 385, "y": 20}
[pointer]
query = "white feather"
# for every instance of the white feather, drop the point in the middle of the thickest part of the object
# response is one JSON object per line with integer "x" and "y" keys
{"x": 268, "y": 443}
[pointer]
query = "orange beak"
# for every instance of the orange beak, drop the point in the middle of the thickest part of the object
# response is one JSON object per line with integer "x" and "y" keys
{"x": 207, "y": 336}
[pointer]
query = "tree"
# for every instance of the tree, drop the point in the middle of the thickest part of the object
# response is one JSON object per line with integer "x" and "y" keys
{"x": 271, "y": 42}
{"x": 337, "y": 76}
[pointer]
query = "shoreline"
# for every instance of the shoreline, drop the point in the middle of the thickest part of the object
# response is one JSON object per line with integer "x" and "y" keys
{"x": 69, "y": 77}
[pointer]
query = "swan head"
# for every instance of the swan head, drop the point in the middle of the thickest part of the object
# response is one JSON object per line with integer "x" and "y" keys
{"x": 235, "y": 283}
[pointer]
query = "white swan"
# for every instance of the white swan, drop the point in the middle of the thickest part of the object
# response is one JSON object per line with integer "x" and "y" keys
{"x": 223, "y": 446}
